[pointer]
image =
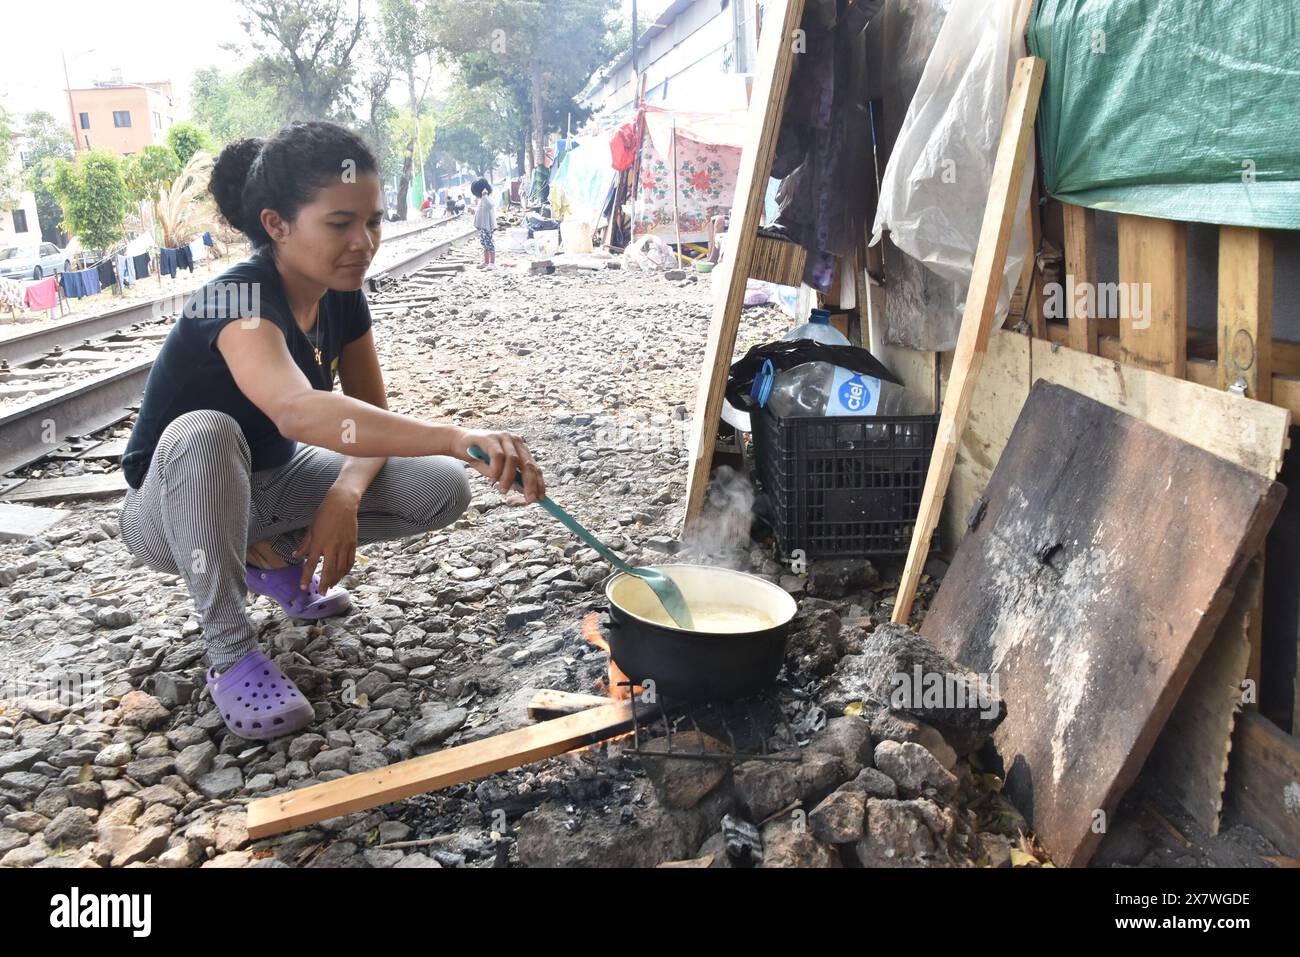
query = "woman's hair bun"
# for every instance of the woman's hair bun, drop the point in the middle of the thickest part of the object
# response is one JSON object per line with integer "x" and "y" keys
{"x": 229, "y": 176}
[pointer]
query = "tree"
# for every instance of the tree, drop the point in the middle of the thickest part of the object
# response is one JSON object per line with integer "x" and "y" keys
{"x": 477, "y": 124}
{"x": 150, "y": 172}
{"x": 234, "y": 105}
{"x": 408, "y": 41}
{"x": 48, "y": 140}
{"x": 304, "y": 52}
{"x": 186, "y": 139}
{"x": 93, "y": 194}
{"x": 10, "y": 182}
{"x": 543, "y": 52}
{"x": 185, "y": 209}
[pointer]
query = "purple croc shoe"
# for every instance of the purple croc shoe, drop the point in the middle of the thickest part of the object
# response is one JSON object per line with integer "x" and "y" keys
{"x": 282, "y": 585}
{"x": 257, "y": 700}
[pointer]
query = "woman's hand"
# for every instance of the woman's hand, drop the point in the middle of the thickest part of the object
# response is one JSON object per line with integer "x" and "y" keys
{"x": 508, "y": 454}
{"x": 332, "y": 537}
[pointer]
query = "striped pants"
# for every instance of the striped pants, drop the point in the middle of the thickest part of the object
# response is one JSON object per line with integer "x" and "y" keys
{"x": 201, "y": 506}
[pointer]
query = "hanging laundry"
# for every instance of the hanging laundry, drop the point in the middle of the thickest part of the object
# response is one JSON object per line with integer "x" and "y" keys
{"x": 167, "y": 262}
{"x": 140, "y": 245}
{"x": 43, "y": 294}
{"x": 125, "y": 271}
{"x": 11, "y": 294}
{"x": 198, "y": 252}
{"x": 184, "y": 258}
{"x": 624, "y": 144}
{"x": 140, "y": 266}
{"x": 207, "y": 239}
{"x": 84, "y": 282}
{"x": 106, "y": 275}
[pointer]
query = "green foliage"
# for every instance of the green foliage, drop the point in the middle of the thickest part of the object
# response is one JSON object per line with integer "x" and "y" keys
{"x": 48, "y": 140}
{"x": 10, "y": 182}
{"x": 233, "y": 105}
{"x": 305, "y": 53}
{"x": 477, "y": 124}
{"x": 543, "y": 53}
{"x": 150, "y": 172}
{"x": 92, "y": 191}
{"x": 186, "y": 139}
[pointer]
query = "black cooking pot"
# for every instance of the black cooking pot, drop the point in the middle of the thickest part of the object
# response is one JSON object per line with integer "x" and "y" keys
{"x": 699, "y": 665}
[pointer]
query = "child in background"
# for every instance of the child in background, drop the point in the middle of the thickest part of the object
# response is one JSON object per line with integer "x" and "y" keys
{"x": 485, "y": 220}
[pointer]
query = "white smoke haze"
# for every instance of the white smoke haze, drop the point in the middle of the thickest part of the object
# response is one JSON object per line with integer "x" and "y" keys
{"x": 721, "y": 535}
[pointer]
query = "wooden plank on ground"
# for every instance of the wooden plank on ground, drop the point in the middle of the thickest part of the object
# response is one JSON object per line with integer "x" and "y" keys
{"x": 1189, "y": 761}
{"x": 110, "y": 449}
{"x": 548, "y": 703}
{"x": 67, "y": 488}
{"x": 776, "y": 57}
{"x": 1081, "y": 273}
{"x": 27, "y": 521}
{"x": 468, "y": 762}
{"x": 977, "y": 318}
{"x": 1264, "y": 782}
{"x": 1153, "y": 286}
{"x": 1105, "y": 562}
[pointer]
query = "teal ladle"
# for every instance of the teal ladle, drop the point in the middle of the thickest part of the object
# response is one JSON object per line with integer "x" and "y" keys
{"x": 665, "y": 589}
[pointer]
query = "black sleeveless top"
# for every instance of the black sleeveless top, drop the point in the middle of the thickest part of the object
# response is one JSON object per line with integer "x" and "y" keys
{"x": 191, "y": 374}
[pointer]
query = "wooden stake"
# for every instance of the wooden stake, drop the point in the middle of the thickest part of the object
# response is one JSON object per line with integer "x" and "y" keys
{"x": 1153, "y": 276}
{"x": 766, "y": 106}
{"x": 1081, "y": 271}
{"x": 977, "y": 320}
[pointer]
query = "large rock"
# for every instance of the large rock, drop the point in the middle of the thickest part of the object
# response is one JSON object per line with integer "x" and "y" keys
{"x": 900, "y": 669}
{"x": 72, "y": 827}
{"x": 847, "y": 738}
{"x": 429, "y": 732}
{"x": 640, "y": 836}
{"x": 765, "y": 787}
{"x": 914, "y": 769}
{"x": 142, "y": 710}
{"x": 815, "y": 642}
{"x": 220, "y": 784}
{"x": 786, "y": 847}
{"x": 889, "y": 726}
{"x": 837, "y": 577}
{"x": 146, "y": 844}
{"x": 905, "y": 834}
{"x": 683, "y": 783}
{"x": 840, "y": 818}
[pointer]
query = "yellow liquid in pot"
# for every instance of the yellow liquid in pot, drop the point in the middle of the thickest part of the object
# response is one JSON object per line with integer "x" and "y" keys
{"x": 714, "y": 618}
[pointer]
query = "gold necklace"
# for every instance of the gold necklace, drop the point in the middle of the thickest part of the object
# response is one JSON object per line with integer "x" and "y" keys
{"x": 315, "y": 338}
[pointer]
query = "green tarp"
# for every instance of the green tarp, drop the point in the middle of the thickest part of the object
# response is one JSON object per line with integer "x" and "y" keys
{"x": 1177, "y": 109}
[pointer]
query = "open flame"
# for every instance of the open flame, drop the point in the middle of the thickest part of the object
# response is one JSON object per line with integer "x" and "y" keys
{"x": 591, "y": 631}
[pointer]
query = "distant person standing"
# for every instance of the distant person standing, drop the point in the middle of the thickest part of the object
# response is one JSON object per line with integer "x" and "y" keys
{"x": 485, "y": 219}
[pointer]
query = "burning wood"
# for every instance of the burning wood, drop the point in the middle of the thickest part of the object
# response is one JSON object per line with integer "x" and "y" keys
{"x": 614, "y": 680}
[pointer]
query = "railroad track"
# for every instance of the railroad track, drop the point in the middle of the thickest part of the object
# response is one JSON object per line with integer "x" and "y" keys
{"x": 25, "y": 348}
{"x": 120, "y": 365}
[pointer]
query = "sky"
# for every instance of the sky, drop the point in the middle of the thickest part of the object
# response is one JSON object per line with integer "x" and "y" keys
{"x": 148, "y": 40}
{"x": 143, "y": 38}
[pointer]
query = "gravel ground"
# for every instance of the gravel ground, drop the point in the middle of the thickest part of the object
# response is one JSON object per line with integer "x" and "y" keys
{"x": 452, "y": 632}
{"x": 597, "y": 370}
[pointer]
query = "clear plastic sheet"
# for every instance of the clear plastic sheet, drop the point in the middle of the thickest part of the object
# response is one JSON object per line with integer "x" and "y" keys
{"x": 935, "y": 183}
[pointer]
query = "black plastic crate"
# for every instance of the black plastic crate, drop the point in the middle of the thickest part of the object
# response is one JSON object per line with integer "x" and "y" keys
{"x": 847, "y": 486}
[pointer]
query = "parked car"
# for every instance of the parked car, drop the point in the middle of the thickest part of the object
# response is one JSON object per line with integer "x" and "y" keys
{"x": 34, "y": 262}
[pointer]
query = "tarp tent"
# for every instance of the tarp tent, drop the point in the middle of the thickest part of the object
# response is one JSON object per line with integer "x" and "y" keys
{"x": 707, "y": 159}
